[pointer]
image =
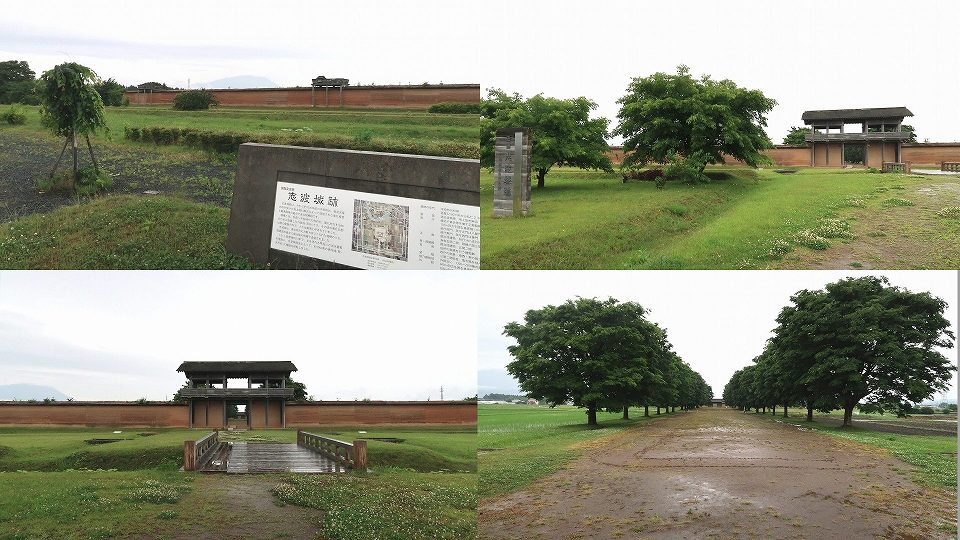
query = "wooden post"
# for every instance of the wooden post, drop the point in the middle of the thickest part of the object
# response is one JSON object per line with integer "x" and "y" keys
{"x": 189, "y": 456}
{"x": 360, "y": 455}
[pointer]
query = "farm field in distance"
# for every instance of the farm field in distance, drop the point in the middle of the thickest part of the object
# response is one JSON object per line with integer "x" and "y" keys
{"x": 813, "y": 219}
{"x": 58, "y": 486}
{"x": 684, "y": 473}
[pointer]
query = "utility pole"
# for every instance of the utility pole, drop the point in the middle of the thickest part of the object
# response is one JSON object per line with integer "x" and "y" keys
{"x": 441, "y": 393}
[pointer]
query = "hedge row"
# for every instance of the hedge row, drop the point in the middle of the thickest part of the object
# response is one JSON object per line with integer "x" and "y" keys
{"x": 455, "y": 108}
{"x": 229, "y": 141}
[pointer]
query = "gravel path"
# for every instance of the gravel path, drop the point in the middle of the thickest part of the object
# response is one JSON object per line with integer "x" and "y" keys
{"x": 719, "y": 473}
{"x": 26, "y": 157}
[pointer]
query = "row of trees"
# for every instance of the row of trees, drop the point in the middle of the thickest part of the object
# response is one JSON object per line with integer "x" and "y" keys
{"x": 860, "y": 342}
{"x": 674, "y": 119}
{"x": 601, "y": 355}
{"x": 18, "y": 84}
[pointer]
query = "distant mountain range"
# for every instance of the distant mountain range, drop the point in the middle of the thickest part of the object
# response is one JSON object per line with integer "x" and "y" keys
{"x": 239, "y": 81}
{"x": 496, "y": 381}
{"x": 23, "y": 392}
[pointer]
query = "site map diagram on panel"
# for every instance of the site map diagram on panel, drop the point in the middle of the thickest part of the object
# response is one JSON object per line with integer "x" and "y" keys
{"x": 381, "y": 229}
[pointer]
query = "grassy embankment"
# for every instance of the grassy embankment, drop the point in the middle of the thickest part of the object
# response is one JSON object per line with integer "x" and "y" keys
{"x": 751, "y": 219}
{"x": 934, "y": 456}
{"x": 58, "y": 486}
{"x": 147, "y": 232}
{"x": 519, "y": 444}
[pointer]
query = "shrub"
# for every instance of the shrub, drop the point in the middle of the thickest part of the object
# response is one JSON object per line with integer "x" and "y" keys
{"x": 455, "y": 108}
{"x": 14, "y": 116}
{"x": 685, "y": 169}
{"x": 363, "y": 136}
{"x": 194, "y": 100}
{"x": 925, "y": 410}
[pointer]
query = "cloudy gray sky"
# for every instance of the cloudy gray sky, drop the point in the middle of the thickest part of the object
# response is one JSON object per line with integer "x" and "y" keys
{"x": 806, "y": 54}
{"x": 717, "y": 321}
{"x": 287, "y": 41}
{"x": 353, "y": 335}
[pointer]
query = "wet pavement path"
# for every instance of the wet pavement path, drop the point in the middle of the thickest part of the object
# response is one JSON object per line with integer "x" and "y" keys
{"x": 720, "y": 473}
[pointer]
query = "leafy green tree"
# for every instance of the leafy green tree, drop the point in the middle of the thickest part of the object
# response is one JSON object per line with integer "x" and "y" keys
{"x": 111, "y": 92}
{"x": 663, "y": 116}
{"x": 862, "y": 340}
{"x": 71, "y": 106}
{"x": 299, "y": 389}
{"x": 562, "y": 131}
{"x": 796, "y": 136}
{"x": 17, "y": 83}
{"x": 586, "y": 351}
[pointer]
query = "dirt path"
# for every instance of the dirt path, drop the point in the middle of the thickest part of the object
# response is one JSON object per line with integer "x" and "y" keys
{"x": 720, "y": 473}
{"x": 235, "y": 507}
{"x": 893, "y": 236}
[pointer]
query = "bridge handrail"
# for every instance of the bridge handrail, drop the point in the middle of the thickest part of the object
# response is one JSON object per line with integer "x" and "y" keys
{"x": 196, "y": 453}
{"x": 349, "y": 455}
{"x": 950, "y": 166}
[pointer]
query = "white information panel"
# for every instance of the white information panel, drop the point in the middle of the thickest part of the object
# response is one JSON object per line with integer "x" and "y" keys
{"x": 365, "y": 230}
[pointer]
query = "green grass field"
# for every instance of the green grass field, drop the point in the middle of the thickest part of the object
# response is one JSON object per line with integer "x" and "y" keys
{"x": 56, "y": 485}
{"x": 121, "y": 232}
{"x": 388, "y": 124}
{"x": 934, "y": 456}
{"x": 753, "y": 219}
{"x": 520, "y": 443}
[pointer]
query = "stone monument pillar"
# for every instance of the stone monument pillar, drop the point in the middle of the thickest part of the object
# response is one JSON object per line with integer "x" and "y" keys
{"x": 506, "y": 200}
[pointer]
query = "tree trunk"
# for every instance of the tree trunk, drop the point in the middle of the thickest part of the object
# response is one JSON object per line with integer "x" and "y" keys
{"x": 848, "y": 414}
{"x": 646, "y": 410}
{"x": 774, "y": 409}
{"x": 591, "y": 415}
{"x": 785, "y": 411}
{"x": 809, "y": 412}
{"x": 76, "y": 169}
{"x": 96, "y": 166}
{"x": 756, "y": 410}
{"x": 658, "y": 409}
{"x": 541, "y": 174}
{"x": 66, "y": 141}
{"x": 764, "y": 409}
{"x": 673, "y": 409}
{"x": 626, "y": 412}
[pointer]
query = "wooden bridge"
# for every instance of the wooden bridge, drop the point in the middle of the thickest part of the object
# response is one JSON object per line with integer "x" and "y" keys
{"x": 310, "y": 454}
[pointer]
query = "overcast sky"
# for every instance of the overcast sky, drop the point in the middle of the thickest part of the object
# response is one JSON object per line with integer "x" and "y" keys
{"x": 352, "y": 335}
{"x": 806, "y": 54}
{"x": 717, "y": 321}
{"x": 287, "y": 41}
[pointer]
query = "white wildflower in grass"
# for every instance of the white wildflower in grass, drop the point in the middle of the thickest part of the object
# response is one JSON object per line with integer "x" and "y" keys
{"x": 833, "y": 228}
{"x": 949, "y": 212}
{"x": 779, "y": 248}
{"x": 811, "y": 239}
{"x": 857, "y": 202}
{"x": 897, "y": 201}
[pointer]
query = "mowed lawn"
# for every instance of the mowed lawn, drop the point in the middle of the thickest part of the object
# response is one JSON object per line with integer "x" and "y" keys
{"x": 520, "y": 443}
{"x": 56, "y": 485}
{"x": 750, "y": 219}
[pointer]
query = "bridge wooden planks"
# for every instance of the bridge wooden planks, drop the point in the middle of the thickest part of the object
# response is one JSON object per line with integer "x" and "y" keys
{"x": 271, "y": 457}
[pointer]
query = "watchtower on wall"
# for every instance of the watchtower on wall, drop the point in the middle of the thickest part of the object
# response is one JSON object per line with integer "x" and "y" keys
{"x": 880, "y": 135}
{"x": 213, "y": 387}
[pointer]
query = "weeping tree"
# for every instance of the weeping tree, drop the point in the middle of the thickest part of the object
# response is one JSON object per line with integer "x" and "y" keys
{"x": 71, "y": 106}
